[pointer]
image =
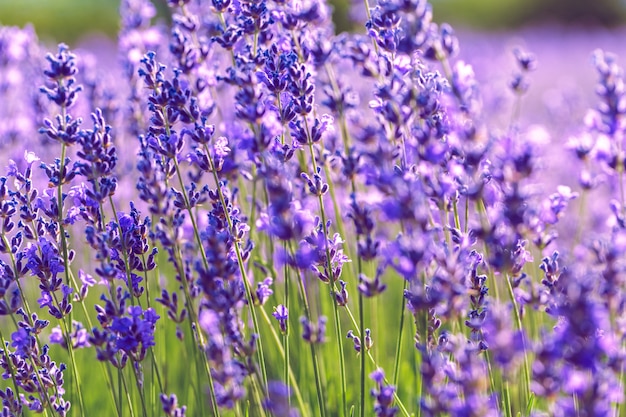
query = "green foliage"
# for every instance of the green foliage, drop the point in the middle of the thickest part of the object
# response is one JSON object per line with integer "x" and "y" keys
{"x": 68, "y": 20}
{"x": 62, "y": 19}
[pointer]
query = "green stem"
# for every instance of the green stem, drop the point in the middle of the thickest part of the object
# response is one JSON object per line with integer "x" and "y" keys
{"x": 316, "y": 369}
{"x": 342, "y": 367}
{"x": 286, "y": 334}
{"x": 396, "y": 367}
{"x": 9, "y": 364}
{"x": 116, "y": 400}
{"x": 191, "y": 310}
{"x": 140, "y": 390}
{"x": 518, "y": 320}
{"x": 296, "y": 389}
{"x": 242, "y": 268}
{"x": 122, "y": 379}
{"x": 67, "y": 335}
{"x": 197, "y": 335}
{"x": 152, "y": 355}
{"x": 66, "y": 265}
{"x": 507, "y": 400}
{"x": 363, "y": 348}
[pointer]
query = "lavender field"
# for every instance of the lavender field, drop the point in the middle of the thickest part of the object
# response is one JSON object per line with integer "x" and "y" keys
{"x": 245, "y": 213}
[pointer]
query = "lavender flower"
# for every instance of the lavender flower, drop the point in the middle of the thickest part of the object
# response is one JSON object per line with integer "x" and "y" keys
{"x": 170, "y": 406}
{"x": 314, "y": 333}
{"x": 277, "y": 401}
{"x": 281, "y": 314}
{"x": 383, "y": 395}
{"x": 265, "y": 140}
{"x": 263, "y": 291}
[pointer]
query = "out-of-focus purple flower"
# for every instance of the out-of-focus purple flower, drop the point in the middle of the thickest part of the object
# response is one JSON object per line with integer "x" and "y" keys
{"x": 263, "y": 290}
{"x": 313, "y": 333}
{"x": 170, "y": 406}
{"x": 79, "y": 336}
{"x": 277, "y": 401}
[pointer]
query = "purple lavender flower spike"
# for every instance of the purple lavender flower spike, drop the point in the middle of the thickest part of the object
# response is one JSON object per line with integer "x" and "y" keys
{"x": 79, "y": 336}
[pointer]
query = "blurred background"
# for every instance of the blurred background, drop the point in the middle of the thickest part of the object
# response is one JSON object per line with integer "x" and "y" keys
{"x": 69, "y": 20}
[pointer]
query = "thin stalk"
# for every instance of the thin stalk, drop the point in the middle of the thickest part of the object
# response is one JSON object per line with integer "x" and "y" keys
{"x": 492, "y": 381}
{"x": 342, "y": 367}
{"x": 152, "y": 355}
{"x": 9, "y": 364}
{"x": 292, "y": 378}
{"x": 193, "y": 321}
{"x": 66, "y": 262}
{"x": 189, "y": 300}
{"x": 455, "y": 209}
{"x": 87, "y": 317}
{"x": 518, "y": 320}
{"x": 66, "y": 265}
{"x": 369, "y": 17}
{"x": 286, "y": 334}
{"x": 44, "y": 390}
{"x": 362, "y": 356}
{"x": 396, "y": 367}
{"x": 242, "y": 269}
{"x": 120, "y": 397}
{"x": 67, "y": 335}
{"x": 118, "y": 406}
{"x": 581, "y": 218}
{"x": 466, "y": 215}
{"x": 507, "y": 400}
{"x": 140, "y": 390}
{"x": 258, "y": 393}
{"x": 342, "y": 364}
{"x": 122, "y": 378}
{"x": 316, "y": 369}
{"x": 419, "y": 382}
{"x": 374, "y": 362}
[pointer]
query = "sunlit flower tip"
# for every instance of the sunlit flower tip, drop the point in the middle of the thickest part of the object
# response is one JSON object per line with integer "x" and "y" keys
{"x": 86, "y": 279}
{"x": 221, "y": 147}
{"x": 30, "y": 157}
